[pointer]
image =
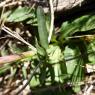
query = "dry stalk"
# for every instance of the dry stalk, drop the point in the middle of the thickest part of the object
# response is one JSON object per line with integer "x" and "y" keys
{"x": 12, "y": 58}
{"x": 8, "y": 3}
{"x": 17, "y": 36}
{"x": 52, "y": 20}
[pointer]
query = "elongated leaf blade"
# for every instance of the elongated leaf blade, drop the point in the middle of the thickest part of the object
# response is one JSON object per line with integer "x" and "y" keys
{"x": 42, "y": 30}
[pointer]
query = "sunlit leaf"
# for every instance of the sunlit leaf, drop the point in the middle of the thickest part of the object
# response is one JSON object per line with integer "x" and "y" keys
{"x": 70, "y": 53}
{"x": 34, "y": 82}
{"x": 20, "y": 14}
{"x": 55, "y": 54}
{"x": 77, "y": 88}
{"x": 57, "y": 72}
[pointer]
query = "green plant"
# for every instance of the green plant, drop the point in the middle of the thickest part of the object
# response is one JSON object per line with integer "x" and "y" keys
{"x": 62, "y": 62}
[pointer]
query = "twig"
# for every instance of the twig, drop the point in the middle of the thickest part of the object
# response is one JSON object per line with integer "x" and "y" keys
{"x": 17, "y": 36}
{"x": 1, "y": 47}
{"x": 2, "y": 21}
{"x": 13, "y": 3}
{"x": 5, "y": 37}
{"x": 88, "y": 91}
{"x": 52, "y": 20}
{"x": 81, "y": 36}
{"x": 6, "y": 3}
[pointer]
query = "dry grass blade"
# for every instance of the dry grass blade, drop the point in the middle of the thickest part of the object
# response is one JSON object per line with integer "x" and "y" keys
{"x": 52, "y": 20}
{"x": 17, "y": 36}
{"x": 15, "y": 57}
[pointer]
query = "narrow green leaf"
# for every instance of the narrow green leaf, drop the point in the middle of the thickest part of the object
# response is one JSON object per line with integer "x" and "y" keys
{"x": 24, "y": 72}
{"x": 42, "y": 76}
{"x": 51, "y": 70}
{"x": 41, "y": 51}
{"x": 4, "y": 69}
{"x": 32, "y": 21}
{"x": 42, "y": 30}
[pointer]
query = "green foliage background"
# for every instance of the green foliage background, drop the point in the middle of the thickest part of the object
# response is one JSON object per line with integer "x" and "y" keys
{"x": 64, "y": 59}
